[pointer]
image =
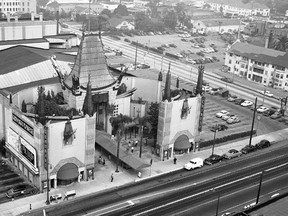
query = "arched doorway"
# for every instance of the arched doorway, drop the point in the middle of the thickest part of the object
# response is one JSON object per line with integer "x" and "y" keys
{"x": 182, "y": 144}
{"x": 67, "y": 174}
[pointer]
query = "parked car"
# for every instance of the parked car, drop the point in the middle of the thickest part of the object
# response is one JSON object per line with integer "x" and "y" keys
{"x": 20, "y": 190}
{"x": 258, "y": 106}
{"x": 247, "y": 103}
{"x": 225, "y": 117}
{"x": 212, "y": 159}
{"x": 276, "y": 115}
{"x": 232, "y": 98}
{"x": 173, "y": 45}
{"x": 269, "y": 112}
{"x": 263, "y": 144}
{"x": 215, "y": 91}
{"x": 142, "y": 66}
{"x": 232, "y": 120}
{"x": 221, "y": 113}
{"x": 194, "y": 163}
{"x": 248, "y": 148}
{"x": 219, "y": 127}
{"x": 262, "y": 109}
{"x": 238, "y": 101}
{"x": 232, "y": 153}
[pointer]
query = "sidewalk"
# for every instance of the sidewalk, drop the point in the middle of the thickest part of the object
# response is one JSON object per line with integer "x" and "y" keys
{"x": 103, "y": 174}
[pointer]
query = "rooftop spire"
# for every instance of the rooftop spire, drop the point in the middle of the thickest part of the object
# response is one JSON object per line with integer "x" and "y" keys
{"x": 167, "y": 90}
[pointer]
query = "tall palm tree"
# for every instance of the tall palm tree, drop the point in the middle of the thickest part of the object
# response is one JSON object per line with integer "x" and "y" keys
{"x": 281, "y": 43}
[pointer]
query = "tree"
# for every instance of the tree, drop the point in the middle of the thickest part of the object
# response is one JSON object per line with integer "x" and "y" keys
{"x": 281, "y": 43}
{"x": 99, "y": 23}
{"x": 153, "y": 8}
{"x": 40, "y": 108}
{"x": 153, "y": 114}
{"x": 24, "y": 107}
{"x": 170, "y": 20}
{"x": 180, "y": 10}
{"x": 106, "y": 12}
{"x": 121, "y": 10}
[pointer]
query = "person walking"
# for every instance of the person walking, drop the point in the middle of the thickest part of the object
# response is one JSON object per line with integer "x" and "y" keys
{"x": 103, "y": 161}
{"x": 100, "y": 159}
{"x": 132, "y": 149}
{"x": 112, "y": 177}
{"x": 175, "y": 160}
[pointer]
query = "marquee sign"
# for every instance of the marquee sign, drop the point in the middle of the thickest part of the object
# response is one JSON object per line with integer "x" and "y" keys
{"x": 22, "y": 149}
{"x": 201, "y": 114}
{"x": 23, "y": 124}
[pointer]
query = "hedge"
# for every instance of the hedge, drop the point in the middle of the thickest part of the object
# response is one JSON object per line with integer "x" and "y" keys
{"x": 226, "y": 138}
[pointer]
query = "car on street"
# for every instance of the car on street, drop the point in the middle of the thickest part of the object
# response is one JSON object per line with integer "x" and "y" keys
{"x": 20, "y": 190}
{"x": 214, "y": 91}
{"x": 219, "y": 127}
{"x": 267, "y": 93}
{"x": 252, "y": 107}
{"x": 212, "y": 159}
{"x": 232, "y": 120}
{"x": 232, "y": 153}
{"x": 194, "y": 163}
{"x": 276, "y": 115}
{"x": 225, "y": 117}
{"x": 221, "y": 113}
{"x": 246, "y": 103}
{"x": 269, "y": 112}
{"x": 226, "y": 79}
{"x": 232, "y": 98}
{"x": 142, "y": 66}
{"x": 262, "y": 109}
{"x": 248, "y": 148}
{"x": 238, "y": 101}
{"x": 263, "y": 144}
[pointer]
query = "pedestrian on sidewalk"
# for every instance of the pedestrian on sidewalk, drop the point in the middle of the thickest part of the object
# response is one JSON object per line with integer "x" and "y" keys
{"x": 109, "y": 156}
{"x": 136, "y": 143}
{"x": 175, "y": 160}
{"x": 103, "y": 161}
{"x": 132, "y": 149}
{"x": 112, "y": 177}
{"x": 100, "y": 159}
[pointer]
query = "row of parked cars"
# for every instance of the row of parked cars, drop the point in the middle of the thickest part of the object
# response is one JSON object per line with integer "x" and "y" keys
{"x": 228, "y": 117}
{"x": 272, "y": 112}
{"x": 232, "y": 153}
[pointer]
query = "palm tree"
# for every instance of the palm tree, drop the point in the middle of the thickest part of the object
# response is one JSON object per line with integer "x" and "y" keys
{"x": 281, "y": 43}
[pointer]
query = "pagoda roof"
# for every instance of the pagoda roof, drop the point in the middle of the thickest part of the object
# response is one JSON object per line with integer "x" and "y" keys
{"x": 91, "y": 60}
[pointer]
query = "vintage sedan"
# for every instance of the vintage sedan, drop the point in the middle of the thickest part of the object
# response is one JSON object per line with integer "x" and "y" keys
{"x": 246, "y": 103}
{"x": 232, "y": 153}
{"x": 232, "y": 120}
{"x": 221, "y": 113}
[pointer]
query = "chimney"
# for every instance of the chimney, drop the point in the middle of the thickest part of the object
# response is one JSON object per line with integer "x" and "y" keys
{"x": 8, "y": 17}
{"x": 200, "y": 80}
{"x": 32, "y": 16}
{"x": 40, "y": 16}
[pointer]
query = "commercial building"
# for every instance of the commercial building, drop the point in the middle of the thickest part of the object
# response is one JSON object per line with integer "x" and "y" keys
{"x": 17, "y": 6}
{"x": 266, "y": 66}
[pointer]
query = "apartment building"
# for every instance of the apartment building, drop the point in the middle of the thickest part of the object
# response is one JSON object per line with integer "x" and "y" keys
{"x": 238, "y": 8}
{"x": 262, "y": 65}
{"x": 17, "y": 6}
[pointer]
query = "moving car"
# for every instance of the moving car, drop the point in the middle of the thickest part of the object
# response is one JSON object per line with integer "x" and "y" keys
{"x": 226, "y": 79}
{"x": 246, "y": 103}
{"x": 276, "y": 115}
{"x": 219, "y": 127}
{"x": 225, "y": 117}
{"x": 194, "y": 163}
{"x": 232, "y": 120}
{"x": 267, "y": 93}
{"x": 232, "y": 153}
{"x": 215, "y": 91}
{"x": 247, "y": 149}
{"x": 262, "y": 109}
{"x": 221, "y": 113}
{"x": 212, "y": 159}
{"x": 20, "y": 190}
{"x": 263, "y": 144}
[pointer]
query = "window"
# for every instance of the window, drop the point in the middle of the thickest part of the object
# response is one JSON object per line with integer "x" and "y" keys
{"x": 115, "y": 111}
{"x": 230, "y": 62}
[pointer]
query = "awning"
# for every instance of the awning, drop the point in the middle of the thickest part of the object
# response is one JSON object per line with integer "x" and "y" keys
{"x": 68, "y": 171}
{"x": 182, "y": 142}
{"x": 110, "y": 145}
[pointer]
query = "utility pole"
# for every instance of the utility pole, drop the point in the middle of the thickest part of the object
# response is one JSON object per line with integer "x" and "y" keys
{"x": 251, "y": 133}
{"x": 218, "y": 202}
{"x": 259, "y": 188}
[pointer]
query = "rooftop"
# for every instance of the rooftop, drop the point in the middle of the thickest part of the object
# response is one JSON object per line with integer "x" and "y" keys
{"x": 239, "y": 4}
{"x": 260, "y": 54}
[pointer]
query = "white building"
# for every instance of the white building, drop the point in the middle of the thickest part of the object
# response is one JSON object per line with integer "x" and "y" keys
{"x": 266, "y": 66}
{"x": 236, "y": 7}
{"x": 17, "y": 6}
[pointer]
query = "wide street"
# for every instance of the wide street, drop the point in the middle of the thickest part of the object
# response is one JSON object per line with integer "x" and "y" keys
{"x": 173, "y": 192}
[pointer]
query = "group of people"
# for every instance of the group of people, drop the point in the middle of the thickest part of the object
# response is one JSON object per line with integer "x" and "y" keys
{"x": 101, "y": 160}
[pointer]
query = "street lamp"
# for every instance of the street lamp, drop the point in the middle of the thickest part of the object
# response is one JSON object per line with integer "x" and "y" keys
{"x": 251, "y": 133}
{"x": 119, "y": 137}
